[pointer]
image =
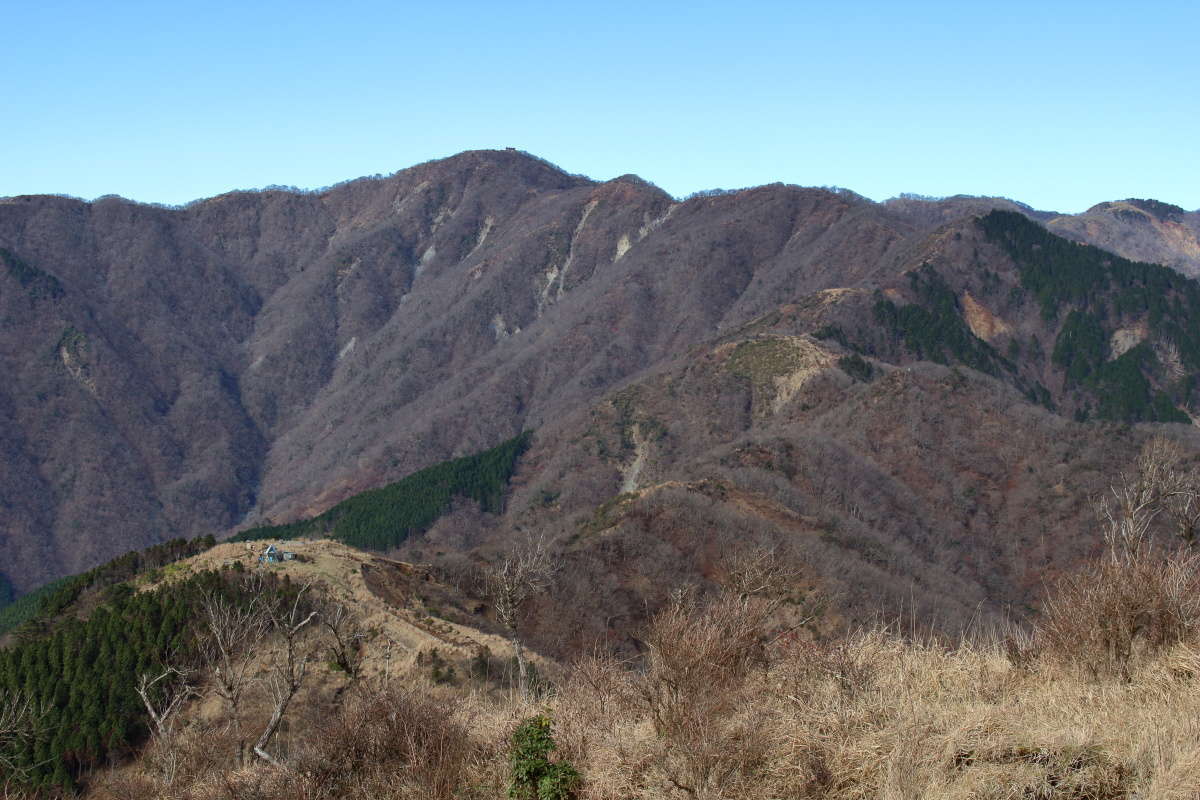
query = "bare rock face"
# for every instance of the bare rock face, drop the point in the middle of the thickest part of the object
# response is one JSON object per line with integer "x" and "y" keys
{"x": 262, "y": 355}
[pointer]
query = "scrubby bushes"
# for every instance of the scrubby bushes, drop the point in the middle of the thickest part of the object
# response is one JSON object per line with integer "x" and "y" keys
{"x": 383, "y": 743}
{"x": 723, "y": 706}
{"x": 388, "y": 743}
{"x": 1142, "y": 595}
{"x": 1115, "y": 610}
{"x": 694, "y": 692}
{"x": 1098, "y": 700}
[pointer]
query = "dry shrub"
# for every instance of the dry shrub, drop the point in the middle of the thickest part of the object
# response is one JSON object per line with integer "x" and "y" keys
{"x": 1107, "y": 615}
{"x": 808, "y": 665}
{"x": 714, "y": 713}
{"x": 1138, "y": 599}
{"x": 596, "y": 700}
{"x": 126, "y": 785}
{"x": 192, "y": 758}
{"x": 383, "y": 744}
{"x": 1100, "y": 702}
{"x": 197, "y": 751}
{"x": 697, "y": 691}
{"x": 259, "y": 783}
{"x": 1021, "y": 644}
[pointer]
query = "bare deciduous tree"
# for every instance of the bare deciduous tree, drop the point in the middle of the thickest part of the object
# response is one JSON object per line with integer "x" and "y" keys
{"x": 1183, "y": 507}
{"x": 1140, "y": 597}
{"x": 343, "y": 636}
{"x": 290, "y": 667}
{"x": 1127, "y": 516}
{"x": 1162, "y": 484}
{"x": 162, "y": 705}
{"x": 761, "y": 573}
{"x": 511, "y": 582}
{"x": 1176, "y": 485}
{"x": 1127, "y": 513}
{"x": 759, "y": 577}
{"x": 389, "y": 643}
{"x": 20, "y": 716}
{"x": 230, "y": 634}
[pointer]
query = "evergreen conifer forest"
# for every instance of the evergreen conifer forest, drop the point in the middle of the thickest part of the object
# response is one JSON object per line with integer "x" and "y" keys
{"x": 381, "y": 519}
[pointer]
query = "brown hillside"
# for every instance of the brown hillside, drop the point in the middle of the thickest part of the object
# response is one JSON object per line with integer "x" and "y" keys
{"x": 261, "y": 355}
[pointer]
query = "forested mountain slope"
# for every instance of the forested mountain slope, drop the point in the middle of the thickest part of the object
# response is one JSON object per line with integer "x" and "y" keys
{"x": 259, "y": 356}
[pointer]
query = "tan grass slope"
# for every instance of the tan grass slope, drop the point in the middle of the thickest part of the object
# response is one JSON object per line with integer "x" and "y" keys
{"x": 1098, "y": 700}
{"x": 393, "y": 601}
{"x": 715, "y": 713}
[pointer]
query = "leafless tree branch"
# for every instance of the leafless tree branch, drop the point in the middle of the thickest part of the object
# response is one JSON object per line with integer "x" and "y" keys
{"x": 231, "y": 634}
{"x": 519, "y": 575}
{"x": 291, "y": 667}
{"x": 344, "y": 636}
{"x": 163, "y": 706}
{"x": 20, "y": 721}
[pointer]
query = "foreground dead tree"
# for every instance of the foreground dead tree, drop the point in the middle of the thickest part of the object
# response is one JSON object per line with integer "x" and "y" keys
{"x": 511, "y": 582}
{"x": 163, "y": 696}
{"x": 343, "y": 637}
{"x": 1126, "y": 516}
{"x": 761, "y": 580}
{"x": 230, "y": 635}
{"x": 1161, "y": 486}
{"x": 762, "y": 574}
{"x": 20, "y": 723}
{"x": 1182, "y": 505}
{"x": 290, "y": 667}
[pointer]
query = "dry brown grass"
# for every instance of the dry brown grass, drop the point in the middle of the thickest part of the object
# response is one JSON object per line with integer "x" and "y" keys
{"x": 878, "y": 717}
{"x": 872, "y": 716}
{"x": 1099, "y": 701}
{"x": 717, "y": 708}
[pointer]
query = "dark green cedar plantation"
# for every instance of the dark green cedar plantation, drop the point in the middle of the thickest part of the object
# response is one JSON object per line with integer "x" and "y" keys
{"x": 82, "y": 641}
{"x": 35, "y": 608}
{"x": 1097, "y": 292}
{"x": 383, "y": 518}
{"x": 1100, "y": 292}
{"x": 933, "y": 328}
{"x": 81, "y": 649}
{"x": 25, "y": 607}
{"x": 84, "y": 672}
{"x": 856, "y": 367}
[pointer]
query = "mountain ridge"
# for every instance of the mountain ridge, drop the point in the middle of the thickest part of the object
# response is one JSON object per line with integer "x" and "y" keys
{"x": 259, "y": 356}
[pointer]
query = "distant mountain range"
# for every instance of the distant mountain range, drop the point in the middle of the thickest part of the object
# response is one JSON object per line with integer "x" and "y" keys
{"x": 912, "y": 397}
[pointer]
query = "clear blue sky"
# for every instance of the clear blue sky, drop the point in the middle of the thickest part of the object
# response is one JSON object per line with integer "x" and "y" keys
{"x": 1058, "y": 104}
